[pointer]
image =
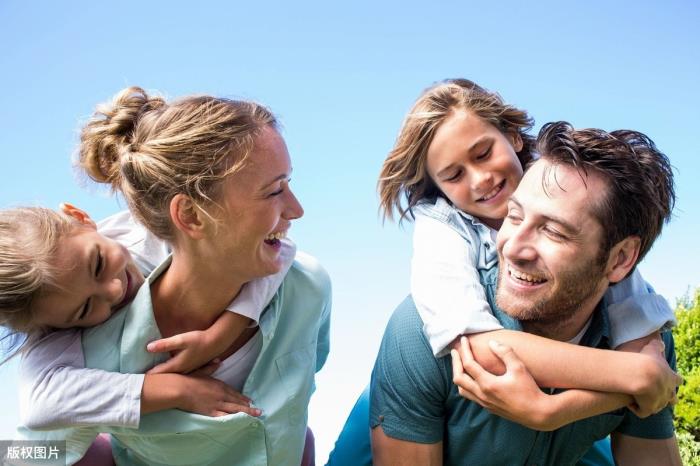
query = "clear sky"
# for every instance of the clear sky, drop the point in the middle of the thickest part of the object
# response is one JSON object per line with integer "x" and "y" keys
{"x": 341, "y": 75}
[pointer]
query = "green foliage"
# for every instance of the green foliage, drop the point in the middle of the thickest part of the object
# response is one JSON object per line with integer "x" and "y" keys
{"x": 690, "y": 449}
{"x": 687, "y": 411}
{"x": 687, "y": 334}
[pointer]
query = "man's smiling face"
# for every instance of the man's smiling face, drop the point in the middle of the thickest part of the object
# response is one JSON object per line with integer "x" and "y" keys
{"x": 551, "y": 269}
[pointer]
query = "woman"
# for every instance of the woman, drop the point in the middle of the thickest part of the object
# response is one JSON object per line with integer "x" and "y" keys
{"x": 211, "y": 177}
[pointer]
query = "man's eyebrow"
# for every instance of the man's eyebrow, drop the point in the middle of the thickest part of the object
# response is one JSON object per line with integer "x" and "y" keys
{"x": 566, "y": 225}
{"x": 471, "y": 148}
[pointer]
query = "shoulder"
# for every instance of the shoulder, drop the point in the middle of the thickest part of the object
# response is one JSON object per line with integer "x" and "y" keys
{"x": 307, "y": 272}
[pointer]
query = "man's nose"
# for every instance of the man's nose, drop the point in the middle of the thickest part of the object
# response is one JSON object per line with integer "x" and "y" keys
{"x": 519, "y": 245}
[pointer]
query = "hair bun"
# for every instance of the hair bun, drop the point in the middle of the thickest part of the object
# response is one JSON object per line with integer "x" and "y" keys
{"x": 110, "y": 132}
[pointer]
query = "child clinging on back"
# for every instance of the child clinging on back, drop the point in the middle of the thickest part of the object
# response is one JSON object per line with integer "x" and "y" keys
{"x": 459, "y": 156}
{"x": 59, "y": 272}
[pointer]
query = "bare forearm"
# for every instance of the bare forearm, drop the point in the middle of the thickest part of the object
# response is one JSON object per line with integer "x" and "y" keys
{"x": 562, "y": 365}
{"x": 574, "y": 405}
{"x": 160, "y": 392}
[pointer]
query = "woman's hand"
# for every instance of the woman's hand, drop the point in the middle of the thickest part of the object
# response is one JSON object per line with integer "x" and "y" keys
{"x": 660, "y": 390}
{"x": 513, "y": 395}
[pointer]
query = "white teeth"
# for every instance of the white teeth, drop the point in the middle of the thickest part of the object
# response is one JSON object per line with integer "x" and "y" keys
{"x": 525, "y": 276}
{"x": 274, "y": 236}
{"x": 493, "y": 192}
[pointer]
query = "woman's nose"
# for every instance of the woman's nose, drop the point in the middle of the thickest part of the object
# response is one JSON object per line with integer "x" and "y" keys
{"x": 294, "y": 209}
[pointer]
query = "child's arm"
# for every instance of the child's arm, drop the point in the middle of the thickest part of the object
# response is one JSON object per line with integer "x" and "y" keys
{"x": 445, "y": 285}
{"x": 197, "y": 348}
{"x": 57, "y": 391}
{"x": 514, "y": 394}
{"x": 451, "y": 301}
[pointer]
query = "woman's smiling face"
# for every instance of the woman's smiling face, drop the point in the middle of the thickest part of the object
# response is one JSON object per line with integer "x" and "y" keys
{"x": 475, "y": 165}
{"x": 258, "y": 207}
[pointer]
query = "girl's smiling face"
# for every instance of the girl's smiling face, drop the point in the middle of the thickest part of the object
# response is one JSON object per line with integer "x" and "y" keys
{"x": 475, "y": 165}
{"x": 96, "y": 277}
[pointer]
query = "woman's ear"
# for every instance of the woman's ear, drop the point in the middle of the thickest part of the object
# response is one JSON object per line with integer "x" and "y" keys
{"x": 622, "y": 258}
{"x": 79, "y": 215}
{"x": 187, "y": 216}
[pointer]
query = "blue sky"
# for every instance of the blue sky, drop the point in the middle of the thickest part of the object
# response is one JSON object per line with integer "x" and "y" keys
{"x": 341, "y": 76}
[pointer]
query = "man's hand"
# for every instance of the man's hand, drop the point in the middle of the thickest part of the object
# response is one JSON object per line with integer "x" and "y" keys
{"x": 513, "y": 395}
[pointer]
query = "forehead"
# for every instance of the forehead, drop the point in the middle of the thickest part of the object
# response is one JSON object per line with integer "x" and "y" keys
{"x": 560, "y": 191}
{"x": 457, "y": 133}
{"x": 268, "y": 158}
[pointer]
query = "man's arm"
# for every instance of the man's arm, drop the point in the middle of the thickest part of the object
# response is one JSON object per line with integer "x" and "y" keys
{"x": 636, "y": 451}
{"x": 388, "y": 451}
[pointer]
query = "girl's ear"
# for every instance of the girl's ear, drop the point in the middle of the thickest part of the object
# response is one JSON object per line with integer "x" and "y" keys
{"x": 516, "y": 140}
{"x": 80, "y": 215}
{"x": 187, "y": 216}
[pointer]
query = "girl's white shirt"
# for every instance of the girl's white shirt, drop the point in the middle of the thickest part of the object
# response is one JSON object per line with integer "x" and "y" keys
{"x": 56, "y": 390}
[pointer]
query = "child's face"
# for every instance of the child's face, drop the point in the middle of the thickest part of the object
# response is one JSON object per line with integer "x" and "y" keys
{"x": 96, "y": 277}
{"x": 475, "y": 166}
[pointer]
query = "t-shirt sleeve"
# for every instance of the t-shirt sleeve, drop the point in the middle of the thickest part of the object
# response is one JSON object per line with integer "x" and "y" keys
{"x": 257, "y": 294}
{"x": 660, "y": 425}
{"x": 635, "y": 310}
{"x": 56, "y": 390}
{"x": 409, "y": 385}
{"x": 445, "y": 285}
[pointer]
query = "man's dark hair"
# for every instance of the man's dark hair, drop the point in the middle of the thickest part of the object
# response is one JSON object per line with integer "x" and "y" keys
{"x": 640, "y": 194}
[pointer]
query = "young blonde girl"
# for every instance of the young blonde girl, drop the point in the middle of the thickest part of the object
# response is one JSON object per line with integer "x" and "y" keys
{"x": 55, "y": 390}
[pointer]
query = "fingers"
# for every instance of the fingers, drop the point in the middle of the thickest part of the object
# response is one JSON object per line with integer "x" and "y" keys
{"x": 506, "y": 354}
{"x": 467, "y": 386}
{"x": 207, "y": 370}
{"x": 471, "y": 367}
{"x": 166, "y": 344}
{"x": 231, "y": 408}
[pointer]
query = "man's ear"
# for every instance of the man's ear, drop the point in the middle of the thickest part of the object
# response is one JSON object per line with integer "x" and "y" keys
{"x": 187, "y": 216}
{"x": 622, "y": 258}
{"x": 516, "y": 140}
{"x": 79, "y": 215}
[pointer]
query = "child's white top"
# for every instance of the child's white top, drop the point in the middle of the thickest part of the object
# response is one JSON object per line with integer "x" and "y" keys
{"x": 57, "y": 391}
{"x": 449, "y": 248}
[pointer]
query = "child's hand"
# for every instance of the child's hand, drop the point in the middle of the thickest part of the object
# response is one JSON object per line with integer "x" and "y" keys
{"x": 193, "y": 350}
{"x": 662, "y": 390}
{"x": 205, "y": 395}
{"x": 513, "y": 395}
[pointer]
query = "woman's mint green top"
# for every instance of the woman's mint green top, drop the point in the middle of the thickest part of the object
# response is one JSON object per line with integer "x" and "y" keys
{"x": 295, "y": 331}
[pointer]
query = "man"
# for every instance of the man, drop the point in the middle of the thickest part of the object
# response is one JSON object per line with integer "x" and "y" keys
{"x": 581, "y": 218}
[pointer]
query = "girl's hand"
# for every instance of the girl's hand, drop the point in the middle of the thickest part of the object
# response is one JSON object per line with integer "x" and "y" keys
{"x": 205, "y": 395}
{"x": 513, "y": 395}
{"x": 191, "y": 351}
{"x": 662, "y": 390}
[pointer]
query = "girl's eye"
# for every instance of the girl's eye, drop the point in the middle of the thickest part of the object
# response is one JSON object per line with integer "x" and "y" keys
{"x": 455, "y": 177}
{"x": 99, "y": 264}
{"x": 484, "y": 155}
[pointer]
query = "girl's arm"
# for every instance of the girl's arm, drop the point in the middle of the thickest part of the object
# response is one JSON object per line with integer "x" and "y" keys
{"x": 197, "y": 348}
{"x": 57, "y": 391}
{"x": 450, "y": 298}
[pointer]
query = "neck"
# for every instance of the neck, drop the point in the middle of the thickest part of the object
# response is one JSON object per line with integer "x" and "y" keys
{"x": 192, "y": 293}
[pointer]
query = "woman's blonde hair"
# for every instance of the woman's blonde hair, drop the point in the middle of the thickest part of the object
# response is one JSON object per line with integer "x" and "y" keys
{"x": 404, "y": 179}
{"x": 150, "y": 150}
{"x": 29, "y": 239}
